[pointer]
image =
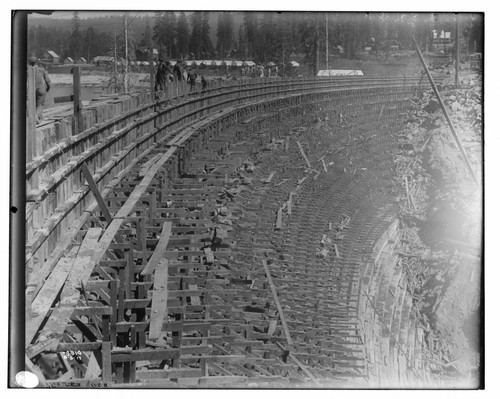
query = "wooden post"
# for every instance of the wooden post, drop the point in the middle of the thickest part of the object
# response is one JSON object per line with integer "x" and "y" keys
{"x": 450, "y": 123}
{"x": 30, "y": 114}
{"x": 77, "y": 109}
{"x": 277, "y": 302}
{"x": 151, "y": 73}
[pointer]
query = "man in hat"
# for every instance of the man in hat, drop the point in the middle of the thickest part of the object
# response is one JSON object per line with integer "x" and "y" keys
{"x": 42, "y": 86}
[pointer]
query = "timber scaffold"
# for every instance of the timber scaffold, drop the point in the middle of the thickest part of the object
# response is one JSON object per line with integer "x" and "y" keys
{"x": 134, "y": 277}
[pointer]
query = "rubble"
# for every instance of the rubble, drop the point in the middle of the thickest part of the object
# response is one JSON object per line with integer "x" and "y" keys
{"x": 439, "y": 206}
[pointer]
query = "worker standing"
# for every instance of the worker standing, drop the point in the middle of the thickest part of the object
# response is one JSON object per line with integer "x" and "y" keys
{"x": 192, "y": 79}
{"x": 42, "y": 87}
{"x": 178, "y": 70}
{"x": 161, "y": 78}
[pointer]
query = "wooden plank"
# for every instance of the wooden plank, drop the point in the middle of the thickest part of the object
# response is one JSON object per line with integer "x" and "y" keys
{"x": 304, "y": 154}
{"x": 97, "y": 194}
{"x": 324, "y": 165}
{"x": 146, "y": 375}
{"x": 106, "y": 239}
{"x": 159, "y": 251}
{"x": 300, "y": 364}
{"x": 195, "y": 300}
{"x": 159, "y": 301}
{"x": 106, "y": 362}
{"x": 277, "y": 302}
{"x": 93, "y": 370}
{"x": 63, "y": 99}
{"x": 143, "y": 185}
{"x": 279, "y": 219}
{"x": 147, "y": 165}
{"x": 77, "y": 106}
{"x": 47, "y": 295}
{"x": 268, "y": 180}
{"x": 78, "y": 276}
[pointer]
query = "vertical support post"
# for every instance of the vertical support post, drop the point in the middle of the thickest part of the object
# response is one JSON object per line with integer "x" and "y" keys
{"x": 457, "y": 50}
{"x": 326, "y": 44}
{"x": 77, "y": 109}
{"x": 106, "y": 362}
{"x": 151, "y": 73}
{"x": 30, "y": 114}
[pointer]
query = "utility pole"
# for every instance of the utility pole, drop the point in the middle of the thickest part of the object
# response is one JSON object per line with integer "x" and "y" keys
{"x": 326, "y": 35}
{"x": 317, "y": 47}
{"x": 457, "y": 50}
{"x": 126, "y": 55}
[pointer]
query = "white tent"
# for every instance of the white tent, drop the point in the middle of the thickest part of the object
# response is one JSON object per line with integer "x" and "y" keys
{"x": 340, "y": 72}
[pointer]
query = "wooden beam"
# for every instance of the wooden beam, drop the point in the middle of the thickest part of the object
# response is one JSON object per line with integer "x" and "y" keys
{"x": 304, "y": 154}
{"x": 77, "y": 106}
{"x": 300, "y": 364}
{"x": 160, "y": 249}
{"x": 97, "y": 194}
{"x": 77, "y": 278}
{"x": 277, "y": 302}
{"x": 48, "y": 294}
{"x": 106, "y": 362}
{"x": 279, "y": 219}
{"x": 159, "y": 300}
{"x": 128, "y": 206}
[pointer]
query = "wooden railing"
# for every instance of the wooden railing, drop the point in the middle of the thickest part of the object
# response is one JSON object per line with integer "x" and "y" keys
{"x": 119, "y": 130}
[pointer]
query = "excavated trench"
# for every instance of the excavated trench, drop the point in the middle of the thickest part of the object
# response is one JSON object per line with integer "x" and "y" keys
{"x": 267, "y": 256}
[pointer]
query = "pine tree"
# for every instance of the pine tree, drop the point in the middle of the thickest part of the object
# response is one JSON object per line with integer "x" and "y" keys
{"x": 195, "y": 40}
{"x": 250, "y": 24}
{"x": 182, "y": 34}
{"x": 164, "y": 33}
{"x": 76, "y": 37}
{"x": 268, "y": 41}
{"x": 146, "y": 36}
{"x": 207, "y": 48}
{"x": 242, "y": 43}
{"x": 224, "y": 33}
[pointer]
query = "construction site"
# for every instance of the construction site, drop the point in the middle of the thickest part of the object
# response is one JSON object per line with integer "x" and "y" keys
{"x": 306, "y": 232}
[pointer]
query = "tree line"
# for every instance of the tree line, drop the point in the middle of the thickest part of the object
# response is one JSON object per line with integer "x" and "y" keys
{"x": 258, "y": 36}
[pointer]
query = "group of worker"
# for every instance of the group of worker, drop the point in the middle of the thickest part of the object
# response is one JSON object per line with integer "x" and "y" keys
{"x": 259, "y": 71}
{"x": 166, "y": 74}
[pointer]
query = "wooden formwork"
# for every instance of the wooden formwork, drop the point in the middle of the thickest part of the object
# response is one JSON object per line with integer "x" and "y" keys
{"x": 152, "y": 303}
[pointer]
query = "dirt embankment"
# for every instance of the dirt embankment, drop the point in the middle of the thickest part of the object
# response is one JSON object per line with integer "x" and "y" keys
{"x": 442, "y": 209}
